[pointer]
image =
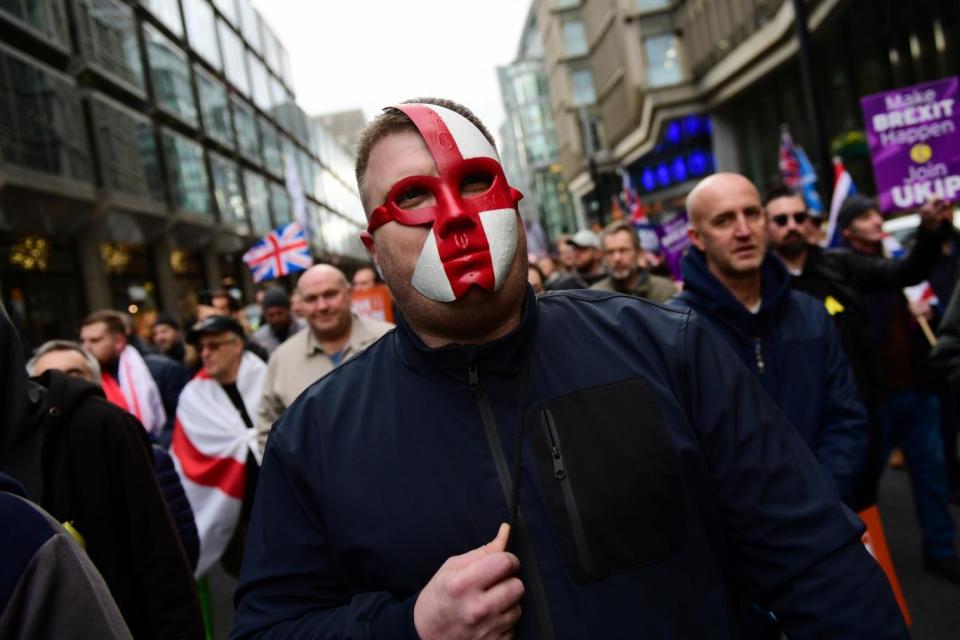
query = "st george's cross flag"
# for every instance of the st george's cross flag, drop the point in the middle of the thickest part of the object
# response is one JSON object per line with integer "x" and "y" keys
{"x": 210, "y": 447}
{"x": 282, "y": 251}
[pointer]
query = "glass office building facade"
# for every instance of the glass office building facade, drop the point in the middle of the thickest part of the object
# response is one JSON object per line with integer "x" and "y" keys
{"x": 144, "y": 146}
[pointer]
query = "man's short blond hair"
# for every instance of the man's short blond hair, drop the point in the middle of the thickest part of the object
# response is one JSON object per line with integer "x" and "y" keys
{"x": 392, "y": 121}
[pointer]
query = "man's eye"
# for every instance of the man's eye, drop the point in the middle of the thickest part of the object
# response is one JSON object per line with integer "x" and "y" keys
{"x": 411, "y": 197}
{"x": 475, "y": 183}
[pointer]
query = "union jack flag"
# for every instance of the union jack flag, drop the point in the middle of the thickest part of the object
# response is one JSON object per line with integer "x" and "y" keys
{"x": 282, "y": 251}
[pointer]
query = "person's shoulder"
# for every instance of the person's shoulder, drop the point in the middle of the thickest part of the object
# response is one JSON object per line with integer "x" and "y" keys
{"x": 592, "y": 305}
{"x": 291, "y": 348}
{"x": 371, "y": 327}
{"x": 804, "y": 310}
{"x": 333, "y": 391}
{"x": 20, "y": 543}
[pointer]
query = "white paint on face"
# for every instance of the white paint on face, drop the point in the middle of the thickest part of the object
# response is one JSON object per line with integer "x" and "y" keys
{"x": 500, "y": 227}
{"x": 469, "y": 139}
{"x": 429, "y": 277}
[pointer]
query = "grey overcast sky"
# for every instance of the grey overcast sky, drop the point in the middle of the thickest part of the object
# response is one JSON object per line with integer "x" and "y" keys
{"x": 368, "y": 54}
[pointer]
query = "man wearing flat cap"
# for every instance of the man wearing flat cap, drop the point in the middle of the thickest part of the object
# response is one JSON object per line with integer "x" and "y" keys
{"x": 214, "y": 442}
{"x": 278, "y": 322}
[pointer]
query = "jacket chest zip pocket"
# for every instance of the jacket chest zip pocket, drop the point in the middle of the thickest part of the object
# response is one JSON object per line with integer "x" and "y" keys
{"x": 610, "y": 478}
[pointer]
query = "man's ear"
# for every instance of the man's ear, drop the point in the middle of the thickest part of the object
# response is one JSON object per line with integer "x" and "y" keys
{"x": 695, "y": 238}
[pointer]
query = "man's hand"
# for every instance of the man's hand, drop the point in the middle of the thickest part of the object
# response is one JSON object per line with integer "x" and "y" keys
{"x": 472, "y": 596}
{"x": 934, "y": 213}
{"x": 921, "y": 309}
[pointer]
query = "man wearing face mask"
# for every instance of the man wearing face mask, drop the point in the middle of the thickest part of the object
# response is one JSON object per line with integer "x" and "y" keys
{"x": 647, "y": 488}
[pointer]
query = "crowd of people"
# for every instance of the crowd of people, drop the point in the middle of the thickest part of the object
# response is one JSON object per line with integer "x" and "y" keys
{"x": 572, "y": 445}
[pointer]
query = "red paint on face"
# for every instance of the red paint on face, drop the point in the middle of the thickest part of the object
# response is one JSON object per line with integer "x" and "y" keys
{"x": 461, "y": 242}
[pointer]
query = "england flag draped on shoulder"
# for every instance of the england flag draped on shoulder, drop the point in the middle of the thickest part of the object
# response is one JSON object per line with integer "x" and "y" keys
{"x": 282, "y": 251}
{"x": 136, "y": 391}
{"x": 210, "y": 447}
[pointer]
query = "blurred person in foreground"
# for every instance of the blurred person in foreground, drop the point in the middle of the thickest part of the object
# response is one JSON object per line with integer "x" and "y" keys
{"x": 279, "y": 323}
{"x": 333, "y": 336}
{"x": 90, "y": 465}
{"x": 622, "y": 255}
{"x": 383, "y": 484}
{"x": 49, "y": 588}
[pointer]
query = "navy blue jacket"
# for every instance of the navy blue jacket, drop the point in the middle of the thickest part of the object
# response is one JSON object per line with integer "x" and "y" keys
{"x": 659, "y": 486}
{"x": 792, "y": 346}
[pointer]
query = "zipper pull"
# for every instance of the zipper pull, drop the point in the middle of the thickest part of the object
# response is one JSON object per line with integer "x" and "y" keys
{"x": 473, "y": 378}
{"x": 559, "y": 471}
{"x": 758, "y": 351}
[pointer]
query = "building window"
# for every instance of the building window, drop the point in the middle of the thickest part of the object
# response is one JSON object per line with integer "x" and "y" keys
{"x": 108, "y": 39}
{"x": 271, "y": 148}
{"x": 167, "y": 12}
{"x": 44, "y": 16}
{"x": 202, "y": 30}
{"x": 285, "y": 73}
{"x": 281, "y": 204}
{"x": 663, "y": 60}
{"x": 651, "y": 5}
{"x": 227, "y": 191}
{"x": 187, "y": 174}
{"x": 250, "y": 24}
{"x": 581, "y": 82}
{"x": 259, "y": 82}
{"x": 565, "y": 4}
{"x": 214, "y": 107}
{"x": 574, "y": 38}
{"x": 246, "y": 125}
{"x": 257, "y": 202}
{"x": 270, "y": 46}
{"x": 41, "y": 125}
{"x": 171, "y": 76}
{"x": 234, "y": 58}
{"x": 228, "y": 10}
{"x": 127, "y": 150}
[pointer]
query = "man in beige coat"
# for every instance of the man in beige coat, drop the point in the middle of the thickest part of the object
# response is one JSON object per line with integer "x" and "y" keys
{"x": 333, "y": 336}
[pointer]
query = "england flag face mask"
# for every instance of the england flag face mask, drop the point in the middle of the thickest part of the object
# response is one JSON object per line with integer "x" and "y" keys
{"x": 473, "y": 215}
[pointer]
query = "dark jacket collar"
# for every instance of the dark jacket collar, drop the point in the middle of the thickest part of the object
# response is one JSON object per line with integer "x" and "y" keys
{"x": 501, "y": 358}
{"x": 705, "y": 292}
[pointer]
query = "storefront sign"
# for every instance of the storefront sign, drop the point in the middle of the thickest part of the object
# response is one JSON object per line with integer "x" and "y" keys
{"x": 914, "y": 137}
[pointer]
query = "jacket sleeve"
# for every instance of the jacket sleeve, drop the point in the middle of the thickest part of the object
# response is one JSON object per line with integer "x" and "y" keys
{"x": 289, "y": 587}
{"x": 177, "y": 504}
{"x": 271, "y": 406}
{"x": 844, "y": 433}
{"x": 795, "y": 545}
{"x": 871, "y": 274}
{"x": 162, "y": 577}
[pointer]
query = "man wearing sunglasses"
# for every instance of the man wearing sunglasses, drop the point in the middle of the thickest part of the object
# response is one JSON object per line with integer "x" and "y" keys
{"x": 843, "y": 278}
{"x": 647, "y": 478}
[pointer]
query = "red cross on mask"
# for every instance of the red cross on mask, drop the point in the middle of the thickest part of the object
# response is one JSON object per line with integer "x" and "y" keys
{"x": 473, "y": 217}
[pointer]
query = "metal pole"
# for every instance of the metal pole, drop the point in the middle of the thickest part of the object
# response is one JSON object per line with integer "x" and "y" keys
{"x": 813, "y": 102}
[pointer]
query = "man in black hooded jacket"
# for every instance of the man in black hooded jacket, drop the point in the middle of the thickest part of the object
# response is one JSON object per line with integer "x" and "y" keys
{"x": 89, "y": 464}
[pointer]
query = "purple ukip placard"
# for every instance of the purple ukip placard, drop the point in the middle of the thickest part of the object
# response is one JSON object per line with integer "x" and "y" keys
{"x": 914, "y": 136}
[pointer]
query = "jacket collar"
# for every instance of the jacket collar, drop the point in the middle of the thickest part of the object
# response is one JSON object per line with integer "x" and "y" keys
{"x": 501, "y": 358}
{"x": 706, "y": 292}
